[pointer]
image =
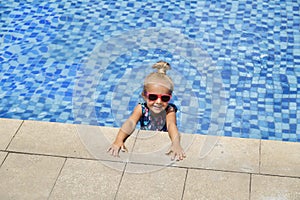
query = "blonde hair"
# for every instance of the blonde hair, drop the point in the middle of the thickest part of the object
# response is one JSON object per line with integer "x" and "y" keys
{"x": 160, "y": 77}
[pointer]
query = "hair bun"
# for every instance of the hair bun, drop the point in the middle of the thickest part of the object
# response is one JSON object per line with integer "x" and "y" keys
{"x": 161, "y": 67}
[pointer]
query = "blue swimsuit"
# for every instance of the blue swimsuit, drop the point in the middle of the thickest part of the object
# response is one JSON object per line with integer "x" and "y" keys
{"x": 150, "y": 121}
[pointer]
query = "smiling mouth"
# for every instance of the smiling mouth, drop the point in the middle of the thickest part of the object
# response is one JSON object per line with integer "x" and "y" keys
{"x": 157, "y": 107}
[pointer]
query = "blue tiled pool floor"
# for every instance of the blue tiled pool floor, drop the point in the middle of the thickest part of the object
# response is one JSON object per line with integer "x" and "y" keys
{"x": 236, "y": 65}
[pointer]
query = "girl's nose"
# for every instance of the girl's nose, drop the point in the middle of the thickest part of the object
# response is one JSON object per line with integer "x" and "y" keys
{"x": 158, "y": 100}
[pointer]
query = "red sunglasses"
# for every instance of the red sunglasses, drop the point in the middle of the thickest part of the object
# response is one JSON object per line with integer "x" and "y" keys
{"x": 154, "y": 97}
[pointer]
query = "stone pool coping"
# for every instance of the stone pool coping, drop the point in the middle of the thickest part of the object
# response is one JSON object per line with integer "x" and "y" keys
{"x": 46, "y": 160}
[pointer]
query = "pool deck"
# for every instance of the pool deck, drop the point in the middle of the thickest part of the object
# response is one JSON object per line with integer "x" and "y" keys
{"x": 44, "y": 160}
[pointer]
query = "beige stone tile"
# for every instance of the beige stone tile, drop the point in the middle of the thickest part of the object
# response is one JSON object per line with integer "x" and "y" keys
{"x": 98, "y": 139}
{"x": 151, "y": 147}
{"x": 208, "y": 184}
{"x": 2, "y": 156}
{"x": 8, "y": 128}
{"x": 28, "y": 176}
{"x": 223, "y": 153}
{"x": 274, "y": 187}
{"x": 280, "y": 158}
{"x": 49, "y": 138}
{"x": 166, "y": 183}
{"x": 87, "y": 179}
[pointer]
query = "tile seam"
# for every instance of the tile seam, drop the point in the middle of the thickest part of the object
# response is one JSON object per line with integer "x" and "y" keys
{"x": 16, "y": 132}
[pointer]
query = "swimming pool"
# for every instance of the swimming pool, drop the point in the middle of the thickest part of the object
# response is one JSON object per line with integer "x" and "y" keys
{"x": 236, "y": 64}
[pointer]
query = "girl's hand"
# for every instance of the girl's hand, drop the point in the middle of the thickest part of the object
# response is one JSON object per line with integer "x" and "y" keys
{"x": 114, "y": 149}
{"x": 176, "y": 152}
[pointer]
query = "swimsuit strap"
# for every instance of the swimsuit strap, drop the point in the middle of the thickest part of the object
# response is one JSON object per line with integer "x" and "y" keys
{"x": 171, "y": 105}
{"x": 144, "y": 120}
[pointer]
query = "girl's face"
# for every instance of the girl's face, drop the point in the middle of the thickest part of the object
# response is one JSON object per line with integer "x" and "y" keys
{"x": 159, "y": 104}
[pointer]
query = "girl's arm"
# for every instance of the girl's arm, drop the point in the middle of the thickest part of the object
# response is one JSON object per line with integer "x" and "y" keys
{"x": 176, "y": 150}
{"x": 125, "y": 131}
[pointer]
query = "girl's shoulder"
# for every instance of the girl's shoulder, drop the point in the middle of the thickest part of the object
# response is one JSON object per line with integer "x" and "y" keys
{"x": 138, "y": 110}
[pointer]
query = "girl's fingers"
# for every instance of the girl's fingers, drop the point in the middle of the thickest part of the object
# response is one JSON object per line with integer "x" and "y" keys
{"x": 169, "y": 152}
{"x": 124, "y": 149}
{"x": 108, "y": 150}
{"x": 116, "y": 153}
{"x": 113, "y": 151}
{"x": 183, "y": 155}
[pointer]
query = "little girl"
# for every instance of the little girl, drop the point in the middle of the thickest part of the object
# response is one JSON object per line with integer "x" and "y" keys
{"x": 155, "y": 114}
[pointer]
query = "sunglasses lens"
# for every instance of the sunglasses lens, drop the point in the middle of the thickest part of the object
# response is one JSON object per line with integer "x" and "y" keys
{"x": 152, "y": 97}
{"x": 165, "y": 98}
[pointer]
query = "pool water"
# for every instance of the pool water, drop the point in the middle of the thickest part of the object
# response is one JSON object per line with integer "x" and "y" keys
{"x": 235, "y": 64}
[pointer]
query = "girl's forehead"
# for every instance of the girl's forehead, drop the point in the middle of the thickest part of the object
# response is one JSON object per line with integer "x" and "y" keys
{"x": 157, "y": 88}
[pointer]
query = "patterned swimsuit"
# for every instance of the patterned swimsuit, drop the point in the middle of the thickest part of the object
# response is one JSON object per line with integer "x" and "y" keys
{"x": 155, "y": 122}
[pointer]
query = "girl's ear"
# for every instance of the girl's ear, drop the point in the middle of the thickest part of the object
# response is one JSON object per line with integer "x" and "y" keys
{"x": 143, "y": 95}
{"x": 145, "y": 99}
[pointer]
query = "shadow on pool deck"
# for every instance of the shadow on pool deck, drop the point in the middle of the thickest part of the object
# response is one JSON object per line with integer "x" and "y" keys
{"x": 44, "y": 160}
